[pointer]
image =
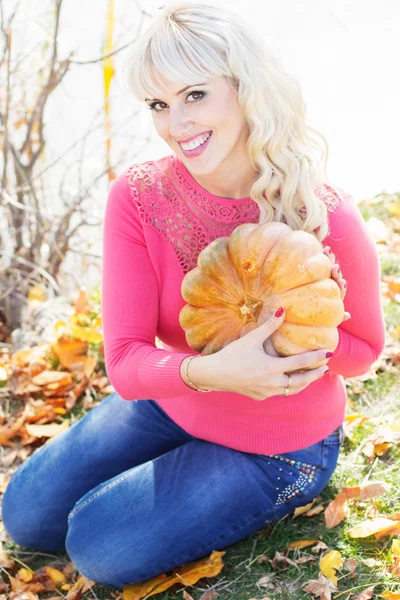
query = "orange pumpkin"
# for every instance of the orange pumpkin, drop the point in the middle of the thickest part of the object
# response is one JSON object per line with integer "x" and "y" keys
{"x": 242, "y": 279}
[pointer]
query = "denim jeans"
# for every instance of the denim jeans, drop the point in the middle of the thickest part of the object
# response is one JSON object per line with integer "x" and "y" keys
{"x": 130, "y": 495}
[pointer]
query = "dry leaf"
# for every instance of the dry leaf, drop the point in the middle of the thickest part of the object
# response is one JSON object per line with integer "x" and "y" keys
{"x": 391, "y": 595}
{"x": 366, "y": 594}
{"x": 351, "y": 564}
{"x": 55, "y": 575}
{"x": 282, "y": 558}
{"x": 304, "y": 559}
{"x": 372, "y": 489}
{"x": 265, "y": 580}
{"x": 329, "y": 563}
{"x": 302, "y": 509}
{"x": 210, "y": 595}
{"x": 320, "y": 546}
{"x": 49, "y": 430}
{"x": 336, "y": 510}
{"x": 318, "y": 508}
{"x": 302, "y": 543}
{"x": 396, "y": 557}
{"x": 321, "y": 587}
{"x": 187, "y": 575}
{"x": 368, "y": 527}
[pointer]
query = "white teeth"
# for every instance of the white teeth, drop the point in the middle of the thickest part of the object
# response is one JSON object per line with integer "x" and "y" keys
{"x": 196, "y": 143}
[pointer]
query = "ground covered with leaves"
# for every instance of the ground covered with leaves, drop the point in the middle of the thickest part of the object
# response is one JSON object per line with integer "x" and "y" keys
{"x": 345, "y": 544}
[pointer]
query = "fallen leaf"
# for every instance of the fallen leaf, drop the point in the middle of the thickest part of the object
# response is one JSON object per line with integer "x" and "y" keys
{"x": 210, "y": 595}
{"x": 265, "y": 580}
{"x": 304, "y": 559}
{"x": 366, "y": 594}
{"x": 391, "y": 595}
{"x": 396, "y": 557}
{"x": 368, "y": 527}
{"x": 48, "y": 430}
{"x": 186, "y": 575}
{"x": 351, "y": 564}
{"x": 372, "y": 489}
{"x": 282, "y": 558}
{"x": 318, "y": 508}
{"x": 302, "y": 509}
{"x": 329, "y": 563}
{"x": 336, "y": 511}
{"x": 302, "y": 543}
{"x": 321, "y": 587}
{"x": 320, "y": 546}
{"x": 55, "y": 575}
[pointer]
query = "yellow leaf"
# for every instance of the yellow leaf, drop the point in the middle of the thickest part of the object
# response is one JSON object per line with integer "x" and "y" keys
{"x": 25, "y": 574}
{"x": 369, "y": 527}
{"x": 87, "y": 334}
{"x": 391, "y": 595}
{"x": 380, "y": 449}
{"x": 394, "y": 208}
{"x": 315, "y": 510}
{"x": 350, "y": 418}
{"x": 55, "y": 575}
{"x": 302, "y": 543}
{"x": 187, "y": 575}
{"x": 396, "y": 548}
{"x": 302, "y": 509}
{"x": 37, "y": 293}
{"x": 329, "y": 563}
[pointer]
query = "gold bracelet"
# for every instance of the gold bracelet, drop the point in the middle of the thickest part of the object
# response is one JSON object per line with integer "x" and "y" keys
{"x": 193, "y": 385}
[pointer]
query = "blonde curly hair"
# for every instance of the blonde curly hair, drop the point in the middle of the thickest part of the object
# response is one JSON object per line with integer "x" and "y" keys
{"x": 190, "y": 40}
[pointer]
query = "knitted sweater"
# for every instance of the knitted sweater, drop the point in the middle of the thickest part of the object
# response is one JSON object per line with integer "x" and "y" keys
{"x": 157, "y": 220}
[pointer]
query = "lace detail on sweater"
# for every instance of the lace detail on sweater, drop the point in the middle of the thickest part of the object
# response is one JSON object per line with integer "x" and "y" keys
{"x": 186, "y": 225}
{"x": 187, "y": 218}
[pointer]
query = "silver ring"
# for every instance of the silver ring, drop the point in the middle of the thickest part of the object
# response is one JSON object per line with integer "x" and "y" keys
{"x": 287, "y": 388}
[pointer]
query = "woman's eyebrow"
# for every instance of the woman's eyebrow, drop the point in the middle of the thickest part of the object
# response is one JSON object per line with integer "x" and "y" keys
{"x": 180, "y": 91}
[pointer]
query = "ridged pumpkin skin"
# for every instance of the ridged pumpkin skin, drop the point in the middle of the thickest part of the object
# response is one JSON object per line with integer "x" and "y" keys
{"x": 242, "y": 279}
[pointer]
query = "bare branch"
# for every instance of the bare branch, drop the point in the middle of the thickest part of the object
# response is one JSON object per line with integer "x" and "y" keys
{"x": 114, "y": 52}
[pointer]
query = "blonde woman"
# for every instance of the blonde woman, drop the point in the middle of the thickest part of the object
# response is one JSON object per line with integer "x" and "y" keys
{"x": 160, "y": 473}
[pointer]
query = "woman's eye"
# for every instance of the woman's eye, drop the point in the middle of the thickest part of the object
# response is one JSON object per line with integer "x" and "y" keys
{"x": 154, "y": 104}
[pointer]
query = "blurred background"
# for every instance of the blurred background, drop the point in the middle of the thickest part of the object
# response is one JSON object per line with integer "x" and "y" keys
{"x": 69, "y": 123}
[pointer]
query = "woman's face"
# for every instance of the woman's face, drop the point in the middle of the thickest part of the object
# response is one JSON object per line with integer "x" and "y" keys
{"x": 208, "y": 106}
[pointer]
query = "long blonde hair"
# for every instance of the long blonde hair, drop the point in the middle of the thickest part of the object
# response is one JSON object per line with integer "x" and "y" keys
{"x": 191, "y": 40}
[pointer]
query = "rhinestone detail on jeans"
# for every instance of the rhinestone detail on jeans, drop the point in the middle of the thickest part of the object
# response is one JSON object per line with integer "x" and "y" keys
{"x": 307, "y": 473}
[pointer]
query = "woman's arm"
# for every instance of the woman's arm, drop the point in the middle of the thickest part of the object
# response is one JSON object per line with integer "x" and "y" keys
{"x": 130, "y": 300}
{"x": 361, "y": 338}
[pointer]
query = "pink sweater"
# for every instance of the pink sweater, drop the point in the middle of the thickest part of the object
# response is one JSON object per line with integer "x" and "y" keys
{"x": 157, "y": 220}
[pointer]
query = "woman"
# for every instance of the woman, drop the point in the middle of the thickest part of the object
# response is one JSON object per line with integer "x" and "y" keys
{"x": 160, "y": 474}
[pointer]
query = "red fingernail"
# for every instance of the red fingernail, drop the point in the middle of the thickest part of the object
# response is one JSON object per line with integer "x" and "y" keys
{"x": 279, "y": 312}
{"x": 328, "y": 354}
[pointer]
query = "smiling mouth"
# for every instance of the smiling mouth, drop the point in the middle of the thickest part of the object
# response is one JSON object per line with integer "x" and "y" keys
{"x": 209, "y": 133}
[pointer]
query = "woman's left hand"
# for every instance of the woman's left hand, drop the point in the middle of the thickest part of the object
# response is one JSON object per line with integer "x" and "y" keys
{"x": 337, "y": 276}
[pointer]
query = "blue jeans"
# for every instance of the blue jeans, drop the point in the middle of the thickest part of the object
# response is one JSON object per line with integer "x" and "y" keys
{"x": 130, "y": 494}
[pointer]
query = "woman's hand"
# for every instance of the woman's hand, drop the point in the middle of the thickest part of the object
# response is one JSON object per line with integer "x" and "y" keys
{"x": 337, "y": 276}
{"x": 243, "y": 366}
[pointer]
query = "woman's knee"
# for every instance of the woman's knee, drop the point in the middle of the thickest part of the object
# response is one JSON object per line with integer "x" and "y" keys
{"x": 27, "y": 517}
{"x": 99, "y": 562}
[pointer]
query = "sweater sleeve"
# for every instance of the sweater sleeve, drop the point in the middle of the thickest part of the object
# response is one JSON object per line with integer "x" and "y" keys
{"x": 136, "y": 368}
{"x": 361, "y": 338}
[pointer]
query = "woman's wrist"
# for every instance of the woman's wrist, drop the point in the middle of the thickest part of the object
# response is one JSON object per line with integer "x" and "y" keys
{"x": 195, "y": 371}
